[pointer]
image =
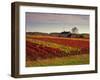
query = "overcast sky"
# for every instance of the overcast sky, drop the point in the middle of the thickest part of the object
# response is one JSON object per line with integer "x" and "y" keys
{"x": 50, "y": 22}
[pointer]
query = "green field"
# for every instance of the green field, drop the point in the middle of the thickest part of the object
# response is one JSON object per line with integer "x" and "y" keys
{"x": 69, "y": 60}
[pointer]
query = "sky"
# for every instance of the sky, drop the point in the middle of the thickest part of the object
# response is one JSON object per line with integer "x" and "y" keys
{"x": 51, "y": 22}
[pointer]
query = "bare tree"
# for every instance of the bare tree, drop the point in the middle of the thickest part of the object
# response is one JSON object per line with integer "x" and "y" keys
{"x": 75, "y": 30}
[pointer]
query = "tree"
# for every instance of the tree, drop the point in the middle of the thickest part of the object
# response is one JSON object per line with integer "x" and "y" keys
{"x": 75, "y": 30}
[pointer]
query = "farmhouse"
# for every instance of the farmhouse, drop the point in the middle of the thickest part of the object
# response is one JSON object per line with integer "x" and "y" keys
{"x": 65, "y": 34}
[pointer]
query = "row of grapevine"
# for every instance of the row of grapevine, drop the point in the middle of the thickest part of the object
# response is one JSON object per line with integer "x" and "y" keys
{"x": 36, "y": 51}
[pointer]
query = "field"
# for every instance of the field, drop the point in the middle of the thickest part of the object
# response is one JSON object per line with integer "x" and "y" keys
{"x": 55, "y": 51}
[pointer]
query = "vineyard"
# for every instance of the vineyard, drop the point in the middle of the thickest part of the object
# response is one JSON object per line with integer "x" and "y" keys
{"x": 49, "y": 51}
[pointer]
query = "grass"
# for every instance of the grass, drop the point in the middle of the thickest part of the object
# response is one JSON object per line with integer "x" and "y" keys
{"x": 69, "y": 60}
